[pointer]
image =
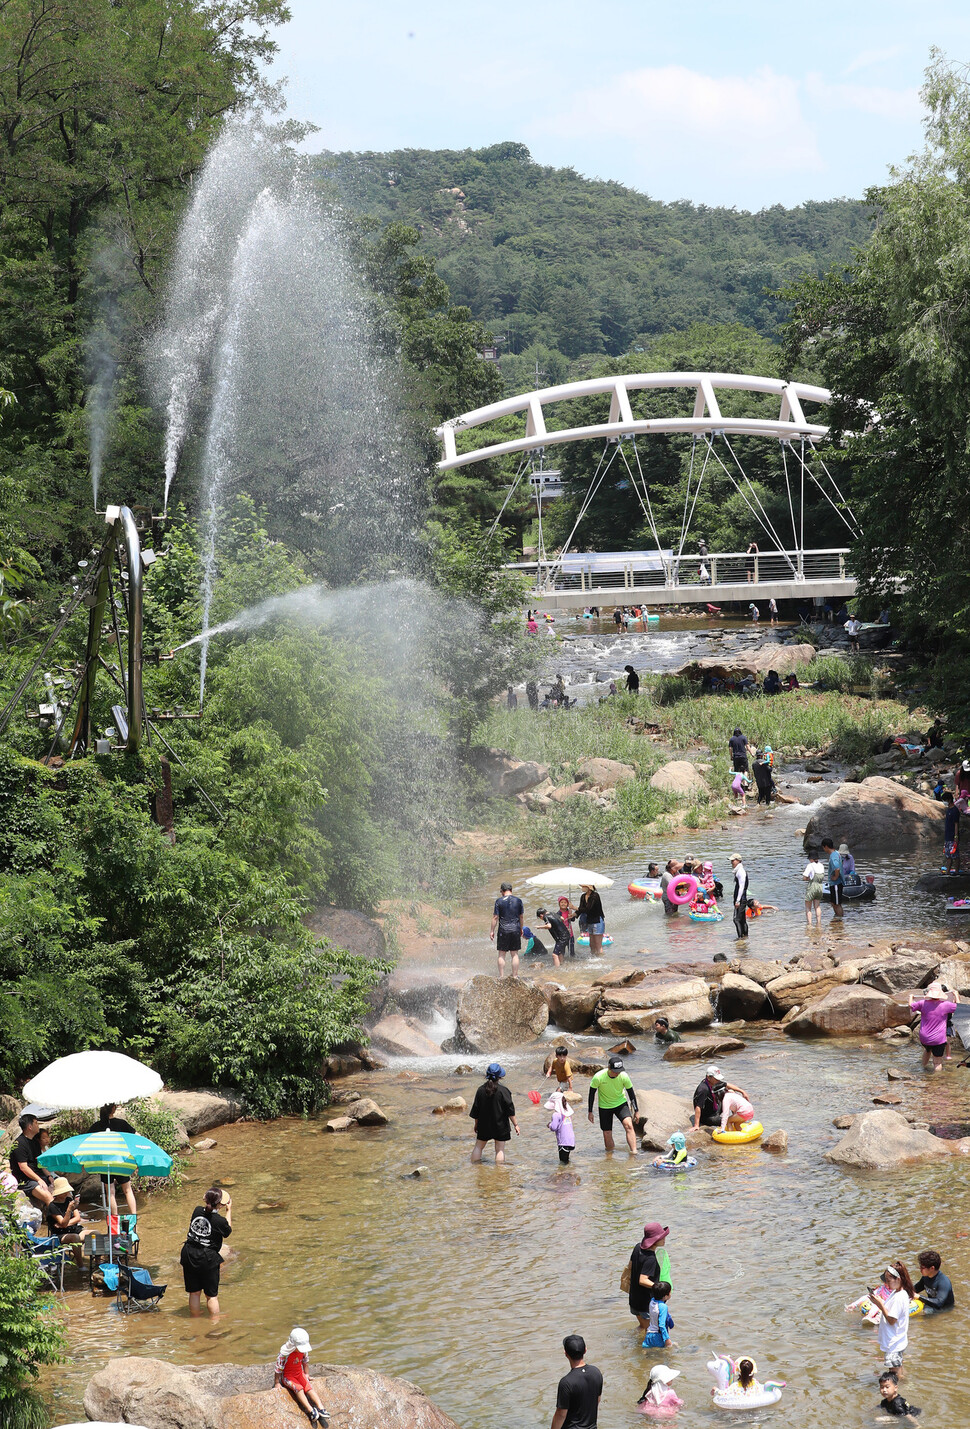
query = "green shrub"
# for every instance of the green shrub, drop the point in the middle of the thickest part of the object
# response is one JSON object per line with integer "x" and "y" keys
{"x": 578, "y": 830}
{"x": 31, "y": 1332}
{"x": 671, "y": 689}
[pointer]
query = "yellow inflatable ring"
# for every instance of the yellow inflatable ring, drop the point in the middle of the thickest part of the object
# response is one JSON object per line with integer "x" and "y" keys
{"x": 751, "y": 1132}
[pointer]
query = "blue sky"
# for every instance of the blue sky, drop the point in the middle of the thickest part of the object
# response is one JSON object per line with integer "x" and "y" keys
{"x": 724, "y": 103}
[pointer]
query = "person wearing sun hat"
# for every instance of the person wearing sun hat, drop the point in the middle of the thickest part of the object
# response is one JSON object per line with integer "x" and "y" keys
{"x": 649, "y": 1265}
{"x": 291, "y": 1373}
{"x": 658, "y": 1397}
{"x": 934, "y": 1007}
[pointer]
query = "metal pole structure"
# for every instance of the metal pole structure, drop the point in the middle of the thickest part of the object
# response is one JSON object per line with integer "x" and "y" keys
{"x": 136, "y": 703}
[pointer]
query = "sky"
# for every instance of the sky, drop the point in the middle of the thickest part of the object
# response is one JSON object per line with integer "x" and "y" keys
{"x": 743, "y": 104}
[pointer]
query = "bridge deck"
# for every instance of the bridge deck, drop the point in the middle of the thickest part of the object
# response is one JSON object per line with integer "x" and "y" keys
{"x": 721, "y": 594}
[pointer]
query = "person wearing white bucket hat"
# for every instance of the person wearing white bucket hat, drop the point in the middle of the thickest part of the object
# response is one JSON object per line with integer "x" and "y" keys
{"x": 934, "y": 1007}
{"x": 658, "y": 1395}
{"x": 291, "y": 1373}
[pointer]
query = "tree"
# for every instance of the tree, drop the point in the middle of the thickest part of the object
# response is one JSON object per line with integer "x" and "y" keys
{"x": 31, "y": 1332}
{"x": 891, "y": 335}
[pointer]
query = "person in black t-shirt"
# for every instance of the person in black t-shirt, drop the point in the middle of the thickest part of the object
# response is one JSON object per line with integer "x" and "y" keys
{"x": 892, "y": 1401}
{"x": 556, "y": 925}
{"x": 579, "y": 1392}
{"x": 23, "y": 1162}
{"x": 201, "y": 1262}
{"x": 493, "y": 1112}
{"x": 107, "y": 1121}
{"x": 507, "y": 925}
{"x": 738, "y": 745}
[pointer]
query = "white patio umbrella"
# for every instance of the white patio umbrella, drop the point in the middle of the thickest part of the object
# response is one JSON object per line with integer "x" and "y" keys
{"x": 570, "y": 878}
{"x": 92, "y": 1079}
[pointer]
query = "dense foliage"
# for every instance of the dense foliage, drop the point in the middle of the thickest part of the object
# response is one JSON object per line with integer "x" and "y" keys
{"x": 31, "y": 1330}
{"x": 565, "y": 266}
{"x": 891, "y": 336}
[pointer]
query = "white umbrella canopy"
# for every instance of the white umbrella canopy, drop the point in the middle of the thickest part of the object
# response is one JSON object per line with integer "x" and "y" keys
{"x": 571, "y": 878}
{"x": 92, "y": 1079}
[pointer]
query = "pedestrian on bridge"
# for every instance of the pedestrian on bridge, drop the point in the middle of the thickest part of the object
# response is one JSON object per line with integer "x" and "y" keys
{"x": 751, "y": 561}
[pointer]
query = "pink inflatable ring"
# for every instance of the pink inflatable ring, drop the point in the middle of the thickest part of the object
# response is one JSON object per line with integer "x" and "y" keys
{"x": 685, "y": 880}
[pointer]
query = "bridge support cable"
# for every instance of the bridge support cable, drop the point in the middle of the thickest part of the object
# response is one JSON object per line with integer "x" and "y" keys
{"x": 763, "y": 523}
{"x": 643, "y": 496}
{"x": 838, "y": 491}
{"x": 508, "y": 497}
{"x": 599, "y": 476}
{"x": 852, "y": 526}
{"x": 760, "y": 504}
{"x": 697, "y": 491}
{"x": 791, "y": 507}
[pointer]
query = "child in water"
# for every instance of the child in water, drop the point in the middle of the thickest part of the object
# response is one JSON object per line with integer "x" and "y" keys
{"x": 560, "y": 1069}
{"x": 677, "y": 1154}
{"x": 561, "y": 1125}
{"x": 661, "y": 1320}
{"x": 739, "y": 786}
{"x": 658, "y": 1398}
{"x": 892, "y": 1401}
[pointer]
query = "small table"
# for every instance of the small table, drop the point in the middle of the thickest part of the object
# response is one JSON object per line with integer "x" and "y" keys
{"x": 96, "y": 1249}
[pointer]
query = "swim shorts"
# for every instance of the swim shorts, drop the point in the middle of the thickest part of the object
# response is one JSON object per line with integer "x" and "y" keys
{"x": 950, "y": 847}
{"x": 608, "y": 1113}
{"x": 835, "y": 893}
{"x": 508, "y": 942}
{"x": 297, "y": 1379}
{"x": 937, "y": 1049}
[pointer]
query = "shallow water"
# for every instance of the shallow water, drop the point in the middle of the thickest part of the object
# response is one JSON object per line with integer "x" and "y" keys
{"x": 466, "y": 1281}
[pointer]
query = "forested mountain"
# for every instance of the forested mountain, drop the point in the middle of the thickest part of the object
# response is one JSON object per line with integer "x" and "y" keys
{"x": 568, "y": 266}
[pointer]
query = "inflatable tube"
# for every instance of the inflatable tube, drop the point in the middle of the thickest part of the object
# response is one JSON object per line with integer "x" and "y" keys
{"x": 734, "y": 1397}
{"x": 716, "y": 917}
{"x": 958, "y": 905}
{"x": 661, "y": 1165}
{"x": 684, "y": 880}
{"x": 583, "y": 940}
{"x": 751, "y": 1132}
{"x": 644, "y": 888}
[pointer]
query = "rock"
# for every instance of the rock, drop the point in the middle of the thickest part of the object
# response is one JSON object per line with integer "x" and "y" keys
{"x": 464, "y": 1069}
{"x": 10, "y": 1109}
{"x": 908, "y": 968}
{"x": 880, "y": 1140}
{"x": 757, "y": 662}
{"x": 696, "y": 1013}
{"x": 740, "y": 996}
{"x": 957, "y": 884}
{"x": 848, "y": 1010}
{"x": 271, "y": 1207}
{"x": 337, "y": 1066}
{"x": 776, "y": 1141}
{"x": 604, "y": 773}
{"x": 417, "y": 1174}
{"x": 876, "y": 816}
{"x": 887, "y": 1099}
{"x": 407, "y": 1076}
{"x": 203, "y": 1110}
{"x": 955, "y": 973}
{"x": 562, "y": 792}
{"x": 341, "y": 1123}
{"x": 696, "y": 1049}
{"x": 158, "y": 1395}
{"x": 522, "y": 776}
{"x": 681, "y": 777}
{"x": 662, "y": 1113}
{"x": 403, "y": 1037}
{"x": 450, "y": 1107}
{"x": 506, "y": 775}
{"x": 620, "y": 977}
{"x": 896, "y": 1074}
{"x": 494, "y": 1014}
{"x": 573, "y": 1008}
{"x": 817, "y": 766}
{"x": 206, "y": 1144}
{"x": 346, "y": 928}
{"x": 656, "y": 990}
{"x": 418, "y": 990}
{"x": 758, "y": 970}
{"x": 796, "y": 988}
{"x": 623, "y": 1049}
{"x": 842, "y": 1123}
{"x": 366, "y": 1112}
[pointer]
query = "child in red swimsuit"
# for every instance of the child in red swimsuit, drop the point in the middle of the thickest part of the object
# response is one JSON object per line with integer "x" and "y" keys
{"x": 291, "y": 1372}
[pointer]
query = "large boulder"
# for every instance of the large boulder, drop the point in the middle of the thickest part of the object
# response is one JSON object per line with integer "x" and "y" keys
{"x": 573, "y": 1008}
{"x": 702, "y": 1049}
{"x": 654, "y": 991}
{"x": 681, "y": 777}
{"x": 955, "y": 973}
{"x": 740, "y": 664}
{"x": 506, "y": 775}
{"x": 203, "y": 1110}
{"x": 876, "y": 816}
{"x": 403, "y": 1037}
{"x": 686, "y": 1002}
{"x": 759, "y": 970}
{"x": 794, "y": 989}
{"x": 880, "y": 1140}
{"x": 739, "y": 996}
{"x": 662, "y": 1113}
{"x": 604, "y": 773}
{"x": 910, "y": 967}
{"x": 620, "y": 977}
{"x": 497, "y": 1013}
{"x": 847, "y": 1011}
{"x": 158, "y": 1395}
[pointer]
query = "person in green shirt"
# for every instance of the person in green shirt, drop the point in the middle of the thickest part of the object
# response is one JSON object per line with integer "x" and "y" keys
{"x": 663, "y": 1033}
{"x": 614, "y": 1090}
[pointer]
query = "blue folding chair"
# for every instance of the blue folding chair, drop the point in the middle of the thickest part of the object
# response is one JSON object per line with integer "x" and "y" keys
{"x": 136, "y": 1289}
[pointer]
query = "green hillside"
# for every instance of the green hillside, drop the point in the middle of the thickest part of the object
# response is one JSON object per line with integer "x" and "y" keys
{"x": 568, "y": 266}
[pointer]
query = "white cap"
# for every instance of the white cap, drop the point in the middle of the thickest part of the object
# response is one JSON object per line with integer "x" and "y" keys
{"x": 301, "y": 1339}
{"x": 663, "y": 1373}
{"x": 713, "y": 1071}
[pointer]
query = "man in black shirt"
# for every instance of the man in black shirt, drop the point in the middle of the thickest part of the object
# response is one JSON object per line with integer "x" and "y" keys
{"x": 23, "y": 1162}
{"x": 578, "y": 1398}
{"x": 107, "y": 1121}
{"x": 738, "y": 744}
{"x": 557, "y": 927}
{"x": 507, "y": 924}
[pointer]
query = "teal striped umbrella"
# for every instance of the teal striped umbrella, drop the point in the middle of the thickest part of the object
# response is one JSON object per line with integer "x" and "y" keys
{"x": 106, "y": 1153}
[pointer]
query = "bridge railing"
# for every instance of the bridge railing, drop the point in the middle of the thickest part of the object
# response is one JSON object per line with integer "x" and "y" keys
{"x": 722, "y": 568}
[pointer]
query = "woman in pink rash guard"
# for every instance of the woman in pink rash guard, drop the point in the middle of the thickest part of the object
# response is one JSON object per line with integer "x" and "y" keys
{"x": 933, "y": 1011}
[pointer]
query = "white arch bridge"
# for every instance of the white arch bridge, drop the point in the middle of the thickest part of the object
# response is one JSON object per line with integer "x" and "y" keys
{"x": 783, "y": 567}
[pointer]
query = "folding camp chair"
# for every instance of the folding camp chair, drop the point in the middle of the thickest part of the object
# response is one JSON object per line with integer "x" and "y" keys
{"x": 50, "y": 1255}
{"x": 136, "y": 1289}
